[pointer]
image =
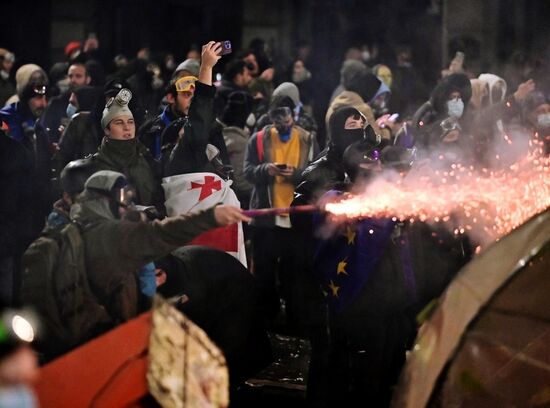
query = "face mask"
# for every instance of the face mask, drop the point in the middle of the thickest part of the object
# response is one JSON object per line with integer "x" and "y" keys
{"x": 347, "y": 137}
{"x": 251, "y": 120}
{"x": 455, "y": 108}
{"x": 71, "y": 110}
{"x": 543, "y": 120}
{"x": 284, "y": 133}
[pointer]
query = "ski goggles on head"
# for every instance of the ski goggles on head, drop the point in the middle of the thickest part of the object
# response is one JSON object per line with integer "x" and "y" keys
{"x": 280, "y": 115}
{"x": 186, "y": 84}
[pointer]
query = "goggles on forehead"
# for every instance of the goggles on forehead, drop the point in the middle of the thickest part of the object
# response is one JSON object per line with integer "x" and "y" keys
{"x": 186, "y": 84}
{"x": 279, "y": 115}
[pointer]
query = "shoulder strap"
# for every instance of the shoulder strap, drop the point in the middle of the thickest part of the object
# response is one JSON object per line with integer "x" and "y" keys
{"x": 260, "y": 144}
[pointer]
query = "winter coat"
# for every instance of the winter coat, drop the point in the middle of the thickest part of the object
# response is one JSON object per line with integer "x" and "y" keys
{"x": 132, "y": 159}
{"x": 236, "y": 140}
{"x": 223, "y": 301}
{"x": 116, "y": 249}
{"x": 56, "y": 115}
{"x": 150, "y": 133}
{"x": 33, "y": 150}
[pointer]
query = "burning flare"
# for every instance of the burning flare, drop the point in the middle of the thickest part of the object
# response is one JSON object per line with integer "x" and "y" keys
{"x": 486, "y": 204}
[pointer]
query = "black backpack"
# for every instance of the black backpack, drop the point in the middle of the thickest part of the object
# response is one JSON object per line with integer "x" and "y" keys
{"x": 55, "y": 283}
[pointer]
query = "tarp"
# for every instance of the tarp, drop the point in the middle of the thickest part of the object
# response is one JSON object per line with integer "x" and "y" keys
{"x": 488, "y": 342}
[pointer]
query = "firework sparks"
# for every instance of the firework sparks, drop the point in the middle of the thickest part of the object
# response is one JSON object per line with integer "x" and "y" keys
{"x": 486, "y": 204}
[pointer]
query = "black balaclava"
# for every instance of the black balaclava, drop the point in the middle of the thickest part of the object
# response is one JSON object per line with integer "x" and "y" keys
{"x": 341, "y": 138}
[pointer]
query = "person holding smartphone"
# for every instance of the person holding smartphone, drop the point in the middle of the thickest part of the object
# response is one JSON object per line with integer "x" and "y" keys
{"x": 274, "y": 160}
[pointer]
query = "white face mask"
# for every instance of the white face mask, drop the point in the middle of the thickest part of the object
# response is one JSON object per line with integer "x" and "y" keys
{"x": 543, "y": 120}
{"x": 455, "y": 108}
{"x": 251, "y": 120}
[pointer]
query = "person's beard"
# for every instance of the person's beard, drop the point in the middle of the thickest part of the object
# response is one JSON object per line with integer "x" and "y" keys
{"x": 37, "y": 112}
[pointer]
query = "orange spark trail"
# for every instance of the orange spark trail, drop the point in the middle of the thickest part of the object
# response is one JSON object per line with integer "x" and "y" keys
{"x": 487, "y": 204}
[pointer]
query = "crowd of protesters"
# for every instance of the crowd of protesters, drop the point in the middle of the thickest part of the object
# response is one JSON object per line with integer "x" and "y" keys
{"x": 83, "y": 145}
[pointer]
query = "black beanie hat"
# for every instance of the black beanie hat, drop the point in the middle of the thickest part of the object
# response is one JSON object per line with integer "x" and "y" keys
{"x": 87, "y": 97}
{"x": 365, "y": 84}
{"x": 237, "y": 109}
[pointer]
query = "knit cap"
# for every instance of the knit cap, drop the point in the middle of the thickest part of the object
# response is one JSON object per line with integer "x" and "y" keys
{"x": 117, "y": 106}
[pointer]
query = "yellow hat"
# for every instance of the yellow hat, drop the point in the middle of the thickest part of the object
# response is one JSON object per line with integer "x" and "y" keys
{"x": 186, "y": 84}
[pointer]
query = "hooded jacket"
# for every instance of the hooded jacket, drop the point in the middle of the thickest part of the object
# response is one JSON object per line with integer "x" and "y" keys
{"x": 116, "y": 249}
{"x": 428, "y": 117}
{"x": 436, "y": 107}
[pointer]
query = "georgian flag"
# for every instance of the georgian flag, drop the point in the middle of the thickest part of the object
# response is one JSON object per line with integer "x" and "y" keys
{"x": 193, "y": 192}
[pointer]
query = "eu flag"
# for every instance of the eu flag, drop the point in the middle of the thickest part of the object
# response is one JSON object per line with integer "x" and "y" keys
{"x": 344, "y": 262}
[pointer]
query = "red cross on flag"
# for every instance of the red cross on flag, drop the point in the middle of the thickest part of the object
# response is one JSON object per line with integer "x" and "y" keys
{"x": 193, "y": 192}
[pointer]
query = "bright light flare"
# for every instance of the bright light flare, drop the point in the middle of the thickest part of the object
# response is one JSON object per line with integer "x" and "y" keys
{"x": 484, "y": 203}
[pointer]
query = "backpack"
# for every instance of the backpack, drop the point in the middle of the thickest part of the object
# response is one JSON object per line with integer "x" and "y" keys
{"x": 55, "y": 283}
{"x": 260, "y": 144}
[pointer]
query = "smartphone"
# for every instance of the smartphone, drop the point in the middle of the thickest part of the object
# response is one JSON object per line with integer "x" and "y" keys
{"x": 226, "y": 47}
{"x": 281, "y": 166}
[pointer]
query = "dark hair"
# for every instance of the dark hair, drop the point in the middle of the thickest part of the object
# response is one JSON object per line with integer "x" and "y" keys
{"x": 80, "y": 64}
{"x": 234, "y": 68}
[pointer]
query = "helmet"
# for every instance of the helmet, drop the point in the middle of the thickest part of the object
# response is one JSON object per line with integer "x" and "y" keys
{"x": 75, "y": 174}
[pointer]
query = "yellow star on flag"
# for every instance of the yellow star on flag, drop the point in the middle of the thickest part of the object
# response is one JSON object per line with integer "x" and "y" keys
{"x": 350, "y": 235}
{"x": 334, "y": 289}
{"x": 341, "y": 268}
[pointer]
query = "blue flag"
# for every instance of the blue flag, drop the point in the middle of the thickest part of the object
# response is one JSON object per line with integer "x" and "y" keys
{"x": 344, "y": 262}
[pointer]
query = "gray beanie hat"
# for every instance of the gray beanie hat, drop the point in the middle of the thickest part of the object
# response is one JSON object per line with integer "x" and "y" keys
{"x": 287, "y": 89}
{"x": 117, "y": 106}
{"x": 190, "y": 65}
{"x": 350, "y": 71}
